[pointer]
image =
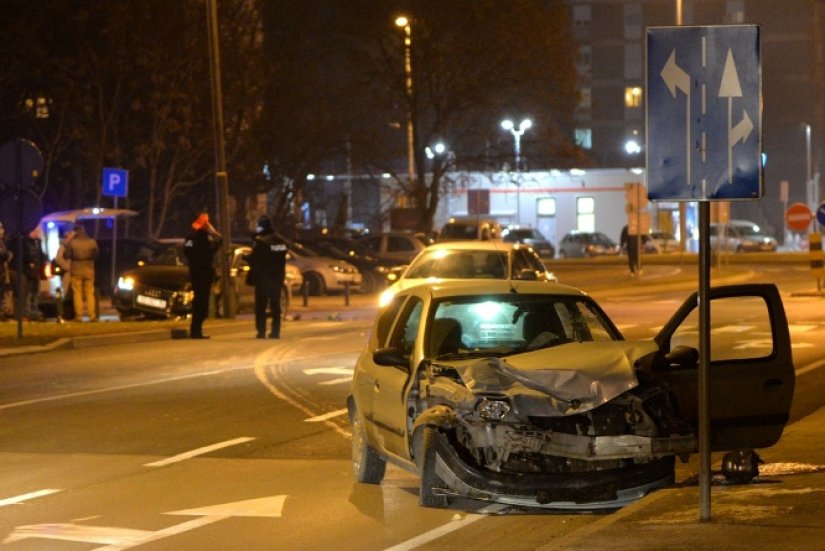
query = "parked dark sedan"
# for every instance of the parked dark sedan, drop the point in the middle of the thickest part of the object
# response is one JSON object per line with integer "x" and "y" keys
{"x": 577, "y": 244}
{"x": 160, "y": 288}
{"x": 532, "y": 237}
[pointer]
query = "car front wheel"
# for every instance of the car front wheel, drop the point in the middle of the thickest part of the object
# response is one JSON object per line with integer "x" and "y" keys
{"x": 367, "y": 465}
{"x": 425, "y": 459}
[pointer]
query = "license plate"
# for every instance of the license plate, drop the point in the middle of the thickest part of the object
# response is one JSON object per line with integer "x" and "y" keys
{"x": 151, "y": 301}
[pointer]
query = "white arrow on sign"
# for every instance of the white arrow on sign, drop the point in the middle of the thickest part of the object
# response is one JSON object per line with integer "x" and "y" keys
{"x": 676, "y": 77}
{"x": 730, "y": 88}
{"x": 126, "y": 538}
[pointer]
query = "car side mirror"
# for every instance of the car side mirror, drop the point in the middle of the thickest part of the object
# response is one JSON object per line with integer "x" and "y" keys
{"x": 682, "y": 357}
{"x": 390, "y": 357}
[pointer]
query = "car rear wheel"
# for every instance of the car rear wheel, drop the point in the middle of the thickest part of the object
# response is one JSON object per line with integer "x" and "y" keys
{"x": 317, "y": 285}
{"x": 367, "y": 465}
{"x": 425, "y": 459}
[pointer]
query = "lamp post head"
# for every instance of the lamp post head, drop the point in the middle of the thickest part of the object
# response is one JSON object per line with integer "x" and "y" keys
{"x": 507, "y": 124}
{"x": 525, "y": 125}
{"x": 401, "y": 21}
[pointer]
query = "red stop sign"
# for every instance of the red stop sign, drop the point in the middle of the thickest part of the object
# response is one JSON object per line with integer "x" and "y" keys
{"x": 798, "y": 217}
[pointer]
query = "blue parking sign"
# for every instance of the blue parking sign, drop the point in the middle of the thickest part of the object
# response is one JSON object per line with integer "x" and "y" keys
{"x": 704, "y": 113}
{"x": 115, "y": 182}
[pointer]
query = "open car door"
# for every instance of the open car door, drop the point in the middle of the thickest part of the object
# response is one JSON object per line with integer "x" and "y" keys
{"x": 751, "y": 367}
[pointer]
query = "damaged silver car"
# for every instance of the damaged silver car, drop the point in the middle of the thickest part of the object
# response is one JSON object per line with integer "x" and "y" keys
{"x": 526, "y": 394}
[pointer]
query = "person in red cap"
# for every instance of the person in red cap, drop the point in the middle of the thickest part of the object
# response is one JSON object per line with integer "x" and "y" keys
{"x": 200, "y": 248}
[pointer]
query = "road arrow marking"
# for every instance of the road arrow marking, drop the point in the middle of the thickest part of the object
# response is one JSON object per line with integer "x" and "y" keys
{"x": 117, "y": 539}
{"x": 78, "y": 532}
{"x": 259, "y": 507}
{"x": 676, "y": 77}
{"x": 25, "y": 497}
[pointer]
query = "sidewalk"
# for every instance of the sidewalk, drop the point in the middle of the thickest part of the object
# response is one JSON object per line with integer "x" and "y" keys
{"x": 784, "y": 508}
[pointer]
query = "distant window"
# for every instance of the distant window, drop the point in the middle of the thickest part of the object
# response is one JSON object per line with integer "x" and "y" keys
{"x": 633, "y": 96}
{"x": 584, "y": 138}
{"x": 585, "y": 214}
{"x": 546, "y": 206}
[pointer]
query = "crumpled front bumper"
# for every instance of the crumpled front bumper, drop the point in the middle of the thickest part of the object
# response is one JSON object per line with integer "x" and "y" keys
{"x": 609, "y": 489}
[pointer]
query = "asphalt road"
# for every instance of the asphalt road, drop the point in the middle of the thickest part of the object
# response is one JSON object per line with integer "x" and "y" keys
{"x": 238, "y": 443}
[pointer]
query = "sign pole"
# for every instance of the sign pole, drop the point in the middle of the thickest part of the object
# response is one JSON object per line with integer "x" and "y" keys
{"x": 114, "y": 248}
{"x": 704, "y": 361}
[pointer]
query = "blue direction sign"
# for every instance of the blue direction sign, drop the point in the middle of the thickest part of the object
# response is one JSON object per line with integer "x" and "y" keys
{"x": 704, "y": 115}
{"x": 115, "y": 182}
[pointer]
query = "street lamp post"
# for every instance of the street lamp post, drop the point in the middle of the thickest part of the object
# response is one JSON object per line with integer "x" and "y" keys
{"x": 517, "y": 133}
{"x": 404, "y": 23}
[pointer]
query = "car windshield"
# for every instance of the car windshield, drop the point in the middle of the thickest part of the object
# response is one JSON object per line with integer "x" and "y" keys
{"x": 522, "y": 234}
{"x": 601, "y": 239}
{"x": 460, "y": 264}
{"x": 501, "y": 325}
{"x": 458, "y": 230}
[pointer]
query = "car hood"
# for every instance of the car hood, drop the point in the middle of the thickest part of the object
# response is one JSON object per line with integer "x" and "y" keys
{"x": 576, "y": 376}
{"x": 164, "y": 277}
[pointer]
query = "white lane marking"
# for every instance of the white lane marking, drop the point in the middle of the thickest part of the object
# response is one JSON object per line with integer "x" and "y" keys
{"x": 810, "y": 367}
{"x": 801, "y": 327}
{"x": 260, "y": 372}
{"x": 435, "y": 533}
{"x": 325, "y": 416}
{"x": 25, "y": 497}
{"x": 734, "y": 329}
{"x": 328, "y": 371}
{"x": 122, "y": 387}
{"x": 200, "y": 451}
{"x": 338, "y": 381}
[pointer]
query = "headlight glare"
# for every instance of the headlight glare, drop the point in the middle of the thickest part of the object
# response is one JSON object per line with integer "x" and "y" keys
{"x": 125, "y": 283}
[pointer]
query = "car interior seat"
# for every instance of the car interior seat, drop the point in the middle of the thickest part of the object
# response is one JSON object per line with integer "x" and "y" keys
{"x": 445, "y": 337}
{"x": 541, "y": 321}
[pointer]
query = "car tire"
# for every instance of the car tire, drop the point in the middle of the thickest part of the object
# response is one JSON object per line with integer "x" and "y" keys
{"x": 425, "y": 459}
{"x": 317, "y": 285}
{"x": 367, "y": 465}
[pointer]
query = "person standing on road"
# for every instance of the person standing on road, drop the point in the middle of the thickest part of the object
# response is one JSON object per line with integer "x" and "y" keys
{"x": 200, "y": 248}
{"x": 267, "y": 266}
{"x": 82, "y": 251}
{"x": 630, "y": 243}
{"x": 65, "y": 266}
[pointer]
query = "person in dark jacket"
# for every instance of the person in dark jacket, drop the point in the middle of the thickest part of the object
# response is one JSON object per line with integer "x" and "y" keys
{"x": 267, "y": 265}
{"x": 200, "y": 247}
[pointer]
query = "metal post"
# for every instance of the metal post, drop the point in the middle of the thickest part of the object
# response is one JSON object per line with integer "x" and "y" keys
{"x": 346, "y": 293}
{"x": 704, "y": 361}
{"x": 221, "y": 176}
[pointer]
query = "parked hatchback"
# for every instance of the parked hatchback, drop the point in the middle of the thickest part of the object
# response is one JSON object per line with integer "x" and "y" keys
{"x": 577, "y": 244}
{"x": 740, "y": 236}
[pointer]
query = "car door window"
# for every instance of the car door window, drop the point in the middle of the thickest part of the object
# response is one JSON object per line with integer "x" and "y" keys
{"x": 406, "y": 329}
{"x": 740, "y": 329}
{"x": 385, "y": 319}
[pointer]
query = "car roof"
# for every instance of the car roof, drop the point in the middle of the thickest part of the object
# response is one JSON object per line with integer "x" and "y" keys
{"x": 461, "y": 288}
{"x": 475, "y": 245}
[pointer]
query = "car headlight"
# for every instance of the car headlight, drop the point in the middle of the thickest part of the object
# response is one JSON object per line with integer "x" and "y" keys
{"x": 126, "y": 283}
{"x": 493, "y": 409}
{"x": 385, "y": 297}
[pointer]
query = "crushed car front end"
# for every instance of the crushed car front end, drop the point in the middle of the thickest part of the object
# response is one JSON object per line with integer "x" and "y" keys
{"x": 585, "y": 438}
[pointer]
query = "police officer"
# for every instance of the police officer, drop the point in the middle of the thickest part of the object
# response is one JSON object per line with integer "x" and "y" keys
{"x": 199, "y": 248}
{"x": 267, "y": 264}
